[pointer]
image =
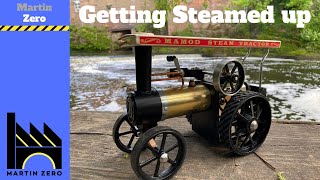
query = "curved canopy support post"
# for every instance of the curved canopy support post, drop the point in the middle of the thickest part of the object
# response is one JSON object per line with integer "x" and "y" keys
{"x": 261, "y": 64}
{"x": 245, "y": 56}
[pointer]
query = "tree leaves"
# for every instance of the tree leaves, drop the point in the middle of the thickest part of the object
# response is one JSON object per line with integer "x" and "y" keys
{"x": 89, "y": 38}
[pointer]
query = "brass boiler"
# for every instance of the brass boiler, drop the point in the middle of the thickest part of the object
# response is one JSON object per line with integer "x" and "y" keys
{"x": 163, "y": 104}
{"x": 185, "y": 100}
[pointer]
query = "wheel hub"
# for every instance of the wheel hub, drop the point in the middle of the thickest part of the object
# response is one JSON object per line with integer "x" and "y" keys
{"x": 164, "y": 157}
{"x": 235, "y": 78}
{"x": 253, "y": 126}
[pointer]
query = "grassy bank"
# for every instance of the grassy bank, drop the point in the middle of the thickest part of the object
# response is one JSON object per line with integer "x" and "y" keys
{"x": 93, "y": 41}
{"x": 297, "y": 43}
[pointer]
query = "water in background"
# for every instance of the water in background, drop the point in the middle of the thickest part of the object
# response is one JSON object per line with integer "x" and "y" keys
{"x": 101, "y": 83}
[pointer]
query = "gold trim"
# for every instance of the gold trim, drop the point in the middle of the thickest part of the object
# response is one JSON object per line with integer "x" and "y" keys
{"x": 49, "y": 140}
{"x": 35, "y": 154}
{"x": 35, "y": 140}
{"x": 24, "y": 143}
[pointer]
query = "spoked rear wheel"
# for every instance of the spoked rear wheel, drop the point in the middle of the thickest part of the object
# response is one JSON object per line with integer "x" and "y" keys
{"x": 125, "y": 133}
{"x": 158, "y": 154}
{"x": 245, "y": 122}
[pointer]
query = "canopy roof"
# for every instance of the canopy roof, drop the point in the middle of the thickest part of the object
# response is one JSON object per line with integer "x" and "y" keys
{"x": 149, "y": 39}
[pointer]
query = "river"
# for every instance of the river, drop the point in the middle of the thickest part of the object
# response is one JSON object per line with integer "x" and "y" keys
{"x": 101, "y": 83}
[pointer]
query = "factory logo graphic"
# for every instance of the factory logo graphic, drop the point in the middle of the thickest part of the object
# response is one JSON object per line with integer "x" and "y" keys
{"x": 22, "y": 146}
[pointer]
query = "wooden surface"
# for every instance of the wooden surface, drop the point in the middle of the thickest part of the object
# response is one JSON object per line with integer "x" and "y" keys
{"x": 290, "y": 148}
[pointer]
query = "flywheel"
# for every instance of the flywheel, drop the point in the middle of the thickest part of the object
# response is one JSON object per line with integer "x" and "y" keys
{"x": 228, "y": 77}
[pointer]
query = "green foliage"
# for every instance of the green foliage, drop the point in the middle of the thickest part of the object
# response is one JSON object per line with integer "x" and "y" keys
{"x": 186, "y": 32}
{"x": 251, "y": 4}
{"x": 205, "y": 4}
{"x": 281, "y": 176}
{"x": 72, "y": 101}
{"x": 297, "y": 4}
{"x": 126, "y": 155}
{"x": 88, "y": 38}
{"x": 147, "y": 28}
{"x": 311, "y": 33}
{"x": 295, "y": 42}
{"x": 167, "y": 5}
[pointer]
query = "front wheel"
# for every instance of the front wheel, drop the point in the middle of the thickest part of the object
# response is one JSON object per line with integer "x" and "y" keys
{"x": 158, "y": 154}
{"x": 125, "y": 133}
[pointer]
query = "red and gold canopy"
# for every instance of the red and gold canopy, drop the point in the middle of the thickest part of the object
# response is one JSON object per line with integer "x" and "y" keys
{"x": 131, "y": 40}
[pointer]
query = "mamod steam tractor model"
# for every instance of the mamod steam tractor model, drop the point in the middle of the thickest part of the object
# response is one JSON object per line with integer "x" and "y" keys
{"x": 224, "y": 109}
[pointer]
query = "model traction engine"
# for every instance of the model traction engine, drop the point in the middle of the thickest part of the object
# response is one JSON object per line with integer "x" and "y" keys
{"x": 224, "y": 109}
